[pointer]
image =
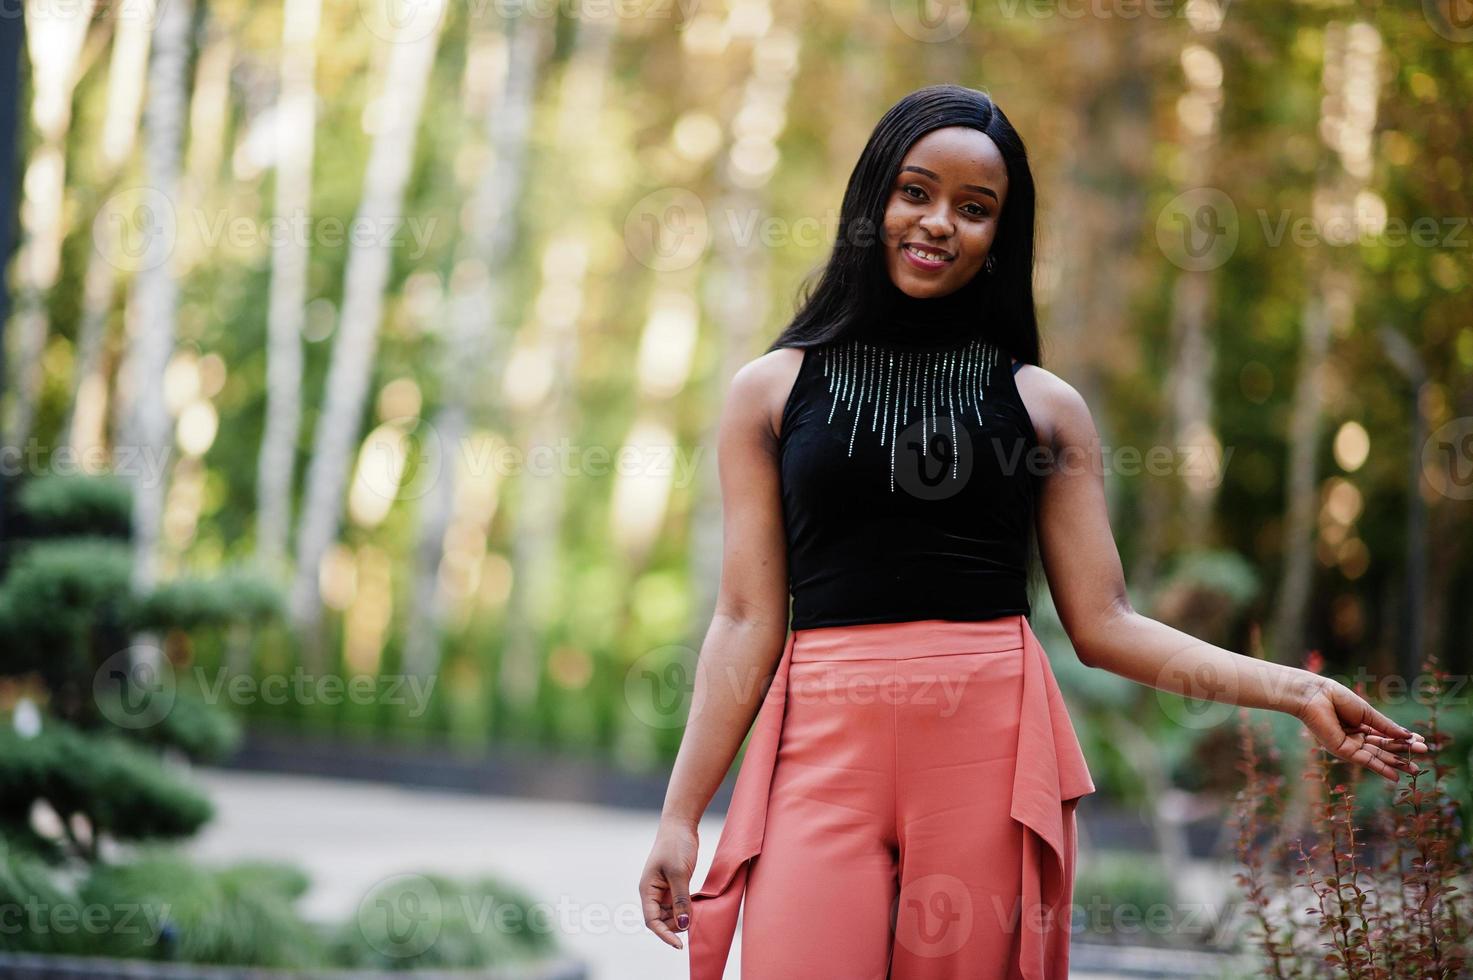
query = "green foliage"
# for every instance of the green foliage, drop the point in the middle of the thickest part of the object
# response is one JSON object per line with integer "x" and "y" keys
{"x": 17, "y": 834}
{"x": 238, "y": 596}
{"x": 433, "y": 922}
{"x": 1082, "y": 685}
{"x": 1096, "y": 698}
{"x": 1205, "y": 593}
{"x": 66, "y": 609}
{"x": 58, "y": 596}
{"x": 164, "y": 907}
{"x": 200, "y": 730}
{"x": 1219, "y": 570}
{"x": 69, "y": 595}
{"x": 286, "y": 880}
{"x": 1123, "y": 893}
{"x": 120, "y": 788}
{"x": 31, "y": 897}
{"x": 76, "y": 505}
{"x": 158, "y": 905}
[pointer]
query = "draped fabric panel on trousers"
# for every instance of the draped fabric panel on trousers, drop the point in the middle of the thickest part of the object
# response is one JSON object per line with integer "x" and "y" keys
{"x": 1049, "y": 776}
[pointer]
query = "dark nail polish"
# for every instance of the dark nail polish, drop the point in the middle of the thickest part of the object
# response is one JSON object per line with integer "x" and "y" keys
{"x": 682, "y": 921}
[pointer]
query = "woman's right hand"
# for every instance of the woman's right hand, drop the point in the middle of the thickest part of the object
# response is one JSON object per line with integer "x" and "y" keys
{"x": 664, "y": 885}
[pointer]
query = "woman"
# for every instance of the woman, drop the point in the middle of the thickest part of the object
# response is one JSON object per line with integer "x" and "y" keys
{"x": 906, "y": 806}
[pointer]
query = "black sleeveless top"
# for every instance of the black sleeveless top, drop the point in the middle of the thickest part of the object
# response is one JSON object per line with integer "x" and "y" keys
{"x": 908, "y": 473}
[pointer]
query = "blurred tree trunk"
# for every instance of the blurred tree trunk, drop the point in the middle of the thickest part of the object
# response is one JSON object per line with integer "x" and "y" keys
{"x": 148, "y": 427}
{"x": 54, "y": 37}
{"x": 1447, "y": 530}
{"x": 87, "y": 412}
{"x": 1409, "y": 637}
{"x": 474, "y": 347}
{"x": 1093, "y": 234}
{"x": 12, "y": 41}
{"x": 209, "y": 108}
{"x": 151, "y": 219}
{"x": 1094, "y": 218}
{"x": 549, "y": 352}
{"x": 1351, "y": 92}
{"x": 209, "y": 116}
{"x": 1089, "y": 250}
{"x": 1187, "y": 424}
{"x": 295, "y": 122}
{"x": 738, "y": 289}
{"x": 401, "y": 102}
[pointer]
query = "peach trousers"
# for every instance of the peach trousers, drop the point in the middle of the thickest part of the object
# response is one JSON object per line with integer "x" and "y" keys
{"x": 905, "y": 810}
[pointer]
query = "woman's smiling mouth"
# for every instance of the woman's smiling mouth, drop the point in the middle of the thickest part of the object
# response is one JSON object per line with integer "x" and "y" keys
{"x": 926, "y": 257}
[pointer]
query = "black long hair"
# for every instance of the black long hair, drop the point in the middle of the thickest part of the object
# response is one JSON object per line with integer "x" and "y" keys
{"x": 850, "y": 285}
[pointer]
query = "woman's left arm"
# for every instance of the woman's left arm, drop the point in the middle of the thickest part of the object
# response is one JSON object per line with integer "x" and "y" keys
{"x": 1088, "y": 587}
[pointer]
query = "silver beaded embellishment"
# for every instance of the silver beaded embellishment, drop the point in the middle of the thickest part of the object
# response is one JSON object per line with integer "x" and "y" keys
{"x": 895, "y": 380}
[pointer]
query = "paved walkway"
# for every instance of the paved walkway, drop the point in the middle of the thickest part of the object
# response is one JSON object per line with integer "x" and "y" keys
{"x": 583, "y": 861}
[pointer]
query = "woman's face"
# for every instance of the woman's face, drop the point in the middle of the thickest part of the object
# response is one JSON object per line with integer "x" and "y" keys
{"x": 942, "y": 213}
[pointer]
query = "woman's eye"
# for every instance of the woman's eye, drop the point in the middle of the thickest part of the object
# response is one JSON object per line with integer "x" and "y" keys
{"x": 915, "y": 192}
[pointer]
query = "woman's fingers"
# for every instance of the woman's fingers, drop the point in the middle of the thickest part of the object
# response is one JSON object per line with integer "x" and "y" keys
{"x": 680, "y": 888}
{"x": 1333, "y": 717}
{"x": 1414, "y": 744}
{"x": 1346, "y": 724}
{"x": 1353, "y": 748}
{"x": 1357, "y": 710}
{"x": 1392, "y": 759}
{"x": 658, "y": 918}
{"x": 1396, "y": 744}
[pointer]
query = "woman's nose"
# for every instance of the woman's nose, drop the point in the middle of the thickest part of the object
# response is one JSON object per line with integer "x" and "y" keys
{"x": 936, "y": 223}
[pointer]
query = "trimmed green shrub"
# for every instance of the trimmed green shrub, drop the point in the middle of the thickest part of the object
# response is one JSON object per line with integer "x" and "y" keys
{"x": 417, "y": 922}
{"x": 121, "y": 789}
{"x": 237, "y": 596}
{"x": 200, "y": 730}
{"x": 1205, "y": 593}
{"x": 67, "y": 609}
{"x": 166, "y": 908}
{"x": 1126, "y": 897}
{"x": 53, "y": 506}
{"x": 57, "y": 597}
{"x": 34, "y": 907}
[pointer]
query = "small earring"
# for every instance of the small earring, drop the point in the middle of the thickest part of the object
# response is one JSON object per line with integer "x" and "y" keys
{"x": 991, "y": 264}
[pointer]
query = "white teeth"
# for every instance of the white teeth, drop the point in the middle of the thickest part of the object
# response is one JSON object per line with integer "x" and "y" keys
{"x": 936, "y": 256}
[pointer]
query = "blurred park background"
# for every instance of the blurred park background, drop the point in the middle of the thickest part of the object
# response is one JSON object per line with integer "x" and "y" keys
{"x": 359, "y": 524}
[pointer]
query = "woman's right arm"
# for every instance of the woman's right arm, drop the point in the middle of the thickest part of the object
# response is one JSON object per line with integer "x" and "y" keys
{"x": 745, "y": 639}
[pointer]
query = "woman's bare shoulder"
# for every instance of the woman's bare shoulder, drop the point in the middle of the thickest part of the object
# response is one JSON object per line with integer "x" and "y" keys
{"x": 765, "y": 382}
{"x": 1054, "y": 405}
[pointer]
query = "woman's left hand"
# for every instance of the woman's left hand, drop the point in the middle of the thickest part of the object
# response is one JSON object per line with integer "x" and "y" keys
{"x": 1345, "y": 723}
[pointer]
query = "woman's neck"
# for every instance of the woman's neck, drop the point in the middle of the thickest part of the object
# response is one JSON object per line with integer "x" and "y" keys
{"x": 906, "y": 320}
